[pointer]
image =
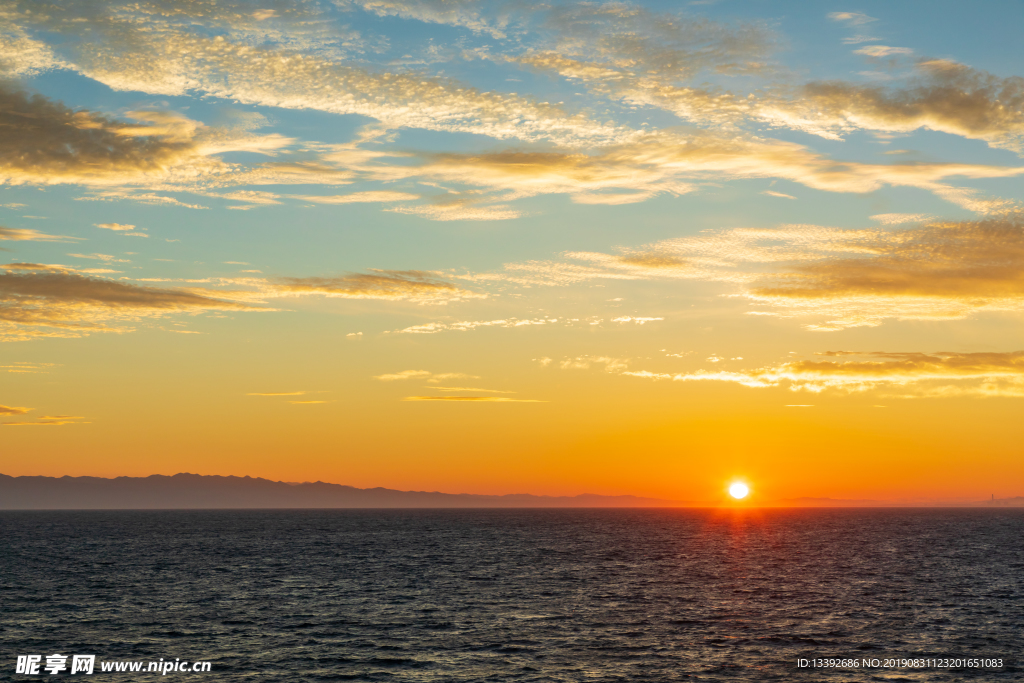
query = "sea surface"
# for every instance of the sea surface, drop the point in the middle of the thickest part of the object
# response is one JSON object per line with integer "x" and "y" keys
{"x": 517, "y": 595}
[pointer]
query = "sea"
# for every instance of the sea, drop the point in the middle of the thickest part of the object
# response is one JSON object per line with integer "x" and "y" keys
{"x": 502, "y": 595}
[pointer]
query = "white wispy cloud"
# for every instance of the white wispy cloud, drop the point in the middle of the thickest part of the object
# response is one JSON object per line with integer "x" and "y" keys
{"x": 852, "y": 18}
{"x": 904, "y": 375}
{"x": 471, "y": 399}
{"x": 883, "y": 51}
{"x": 424, "y": 375}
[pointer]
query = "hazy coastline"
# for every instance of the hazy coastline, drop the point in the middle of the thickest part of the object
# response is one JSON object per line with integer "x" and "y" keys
{"x": 194, "y": 491}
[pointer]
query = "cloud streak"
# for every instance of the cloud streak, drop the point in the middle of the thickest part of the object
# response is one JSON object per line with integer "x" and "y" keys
{"x": 48, "y": 301}
{"x": 658, "y": 163}
{"x": 49, "y": 421}
{"x": 391, "y": 285}
{"x": 473, "y": 399}
{"x": 909, "y": 374}
{"x": 939, "y": 270}
{"x": 28, "y": 235}
{"x": 467, "y": 325}
{"x": 422, "y": 375}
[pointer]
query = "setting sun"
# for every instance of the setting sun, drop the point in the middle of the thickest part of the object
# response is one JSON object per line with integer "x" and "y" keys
{"x": 739, "y": 490}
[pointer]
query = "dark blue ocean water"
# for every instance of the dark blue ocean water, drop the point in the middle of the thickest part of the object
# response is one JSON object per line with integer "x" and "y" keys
{"x": 516, "y": 595}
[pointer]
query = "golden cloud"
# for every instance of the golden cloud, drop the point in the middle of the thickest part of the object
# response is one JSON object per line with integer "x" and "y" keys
{"x": 45, "y": 142}
{"x": 982, "y": 374}
{"x": 635, "y": 319}
{"x": 28, "y": 235}
{"x": 403, "y": 375}
{"x": 633, "y": 83}
{"x": 35, "y": 266}
{"x": 525, "y": 174}
{"x": 466, "y": 325}
{"x": 664, "y": 162}
{"x": 118, "y": 227}
{"x": 463, "y": 13}
{"x": 291, "y": 68}
{"x": 150, "y": 198}
{"x": 947, "y": 97}
{"x": 13, "y": 410}
{"x": 459, "y": 211}
{"x": 852, "y": 18}
{"x": 21, "y": 55}
{"x": 486, "y": 391}
{"x": 879, "y": 51}
{"x": 584, "y": 363}
{"x": 900, "y": 218}
{"x": 944, "y": 259}
{"x": 477, "y": 399}
{"x": 176, "y": 61}
{"x": 394, "y": 285}
{"x": 252, "y": 198}
{"x": 663, "y": 45}
{"x": 652, "y": 260}
{"x": 47, "y": 301}
{"x": 360, "y": 197}
{"x": 49, "y": 421}
{"x": 939, "y": 270}
{"x": 423, "y": 374}
{"x": 22, "y": 367}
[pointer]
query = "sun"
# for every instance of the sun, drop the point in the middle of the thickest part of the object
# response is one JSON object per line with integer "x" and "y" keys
{"x": 739, "y": 490}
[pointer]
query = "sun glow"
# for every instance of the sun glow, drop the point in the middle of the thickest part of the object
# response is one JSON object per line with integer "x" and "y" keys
{"x": 739, "y": 490}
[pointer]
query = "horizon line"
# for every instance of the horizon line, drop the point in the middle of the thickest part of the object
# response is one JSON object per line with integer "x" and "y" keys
{"x": 799, "y": 502}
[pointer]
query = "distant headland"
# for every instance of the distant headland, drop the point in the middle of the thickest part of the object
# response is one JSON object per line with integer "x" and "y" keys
{"x": 196, "y": 491}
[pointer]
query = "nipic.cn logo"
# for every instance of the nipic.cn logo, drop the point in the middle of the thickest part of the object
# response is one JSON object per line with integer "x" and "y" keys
{"x": 35, "y": 665}
{"x": 55, "y": 663}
